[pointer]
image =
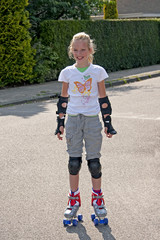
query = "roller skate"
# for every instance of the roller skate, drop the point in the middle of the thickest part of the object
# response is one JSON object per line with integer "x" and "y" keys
{"x": 70, "y": 213}
{"x": 99, "y": 208}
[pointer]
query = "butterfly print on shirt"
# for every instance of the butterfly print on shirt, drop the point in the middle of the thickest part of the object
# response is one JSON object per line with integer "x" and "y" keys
{"x": 84, "y": 87}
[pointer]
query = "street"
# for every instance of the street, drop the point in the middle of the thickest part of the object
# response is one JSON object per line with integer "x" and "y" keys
{"x": 34, "y": 173}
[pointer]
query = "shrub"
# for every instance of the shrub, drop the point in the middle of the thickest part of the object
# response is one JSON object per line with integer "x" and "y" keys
{"x": 16, "y": 54}
{"x": 46, "y": 60}
{"x": 110, "y": 9}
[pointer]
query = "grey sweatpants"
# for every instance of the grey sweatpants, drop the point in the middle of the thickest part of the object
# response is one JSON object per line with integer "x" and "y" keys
{"x": 82, "y": 130}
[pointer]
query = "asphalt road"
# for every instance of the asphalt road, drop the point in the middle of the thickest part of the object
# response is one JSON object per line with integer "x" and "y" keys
{"x": 34, "y": 177}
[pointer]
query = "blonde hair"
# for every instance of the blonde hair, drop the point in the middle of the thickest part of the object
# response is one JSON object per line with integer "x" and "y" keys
{"x": 86, "y": 37}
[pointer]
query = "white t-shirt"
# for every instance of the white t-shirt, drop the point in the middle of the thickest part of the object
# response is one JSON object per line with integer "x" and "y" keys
{"x": 83, "y": 89}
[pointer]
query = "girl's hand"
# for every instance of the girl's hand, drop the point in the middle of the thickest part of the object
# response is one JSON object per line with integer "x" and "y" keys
{"x": 59, "y": 134}
{"x": 107, "y": 134}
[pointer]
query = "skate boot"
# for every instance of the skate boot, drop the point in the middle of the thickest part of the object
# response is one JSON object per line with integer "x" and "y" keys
{"x": 70, "y": 213}
{"x": 99, "y": 209}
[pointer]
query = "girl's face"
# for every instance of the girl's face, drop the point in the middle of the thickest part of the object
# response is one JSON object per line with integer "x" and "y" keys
{"x": 81, "y": 53}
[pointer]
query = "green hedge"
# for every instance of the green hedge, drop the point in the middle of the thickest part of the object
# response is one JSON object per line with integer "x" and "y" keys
{"x": 121, "y": 44}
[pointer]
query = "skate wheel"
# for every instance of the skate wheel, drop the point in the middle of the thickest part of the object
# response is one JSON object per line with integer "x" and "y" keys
{"x": 101, "y": 221}
{"x": 105, "y": 221}
{"x": 80, "y": 217}
{"x": 95, "y": 222}
{"x": 66, "y": 222}
{"x": 75, "y": 222}
{"x": 93, "y": 217}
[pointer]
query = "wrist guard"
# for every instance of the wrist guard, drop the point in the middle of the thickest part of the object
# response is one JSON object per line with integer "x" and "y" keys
{"x": 107, "y": 123}
{"x": 60, "y": 108}
{"x": 106, "y": 111}
{"x": 60, "y": 122}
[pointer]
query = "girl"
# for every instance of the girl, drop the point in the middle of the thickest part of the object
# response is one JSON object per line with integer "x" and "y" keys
{"x": 84, "y": 83}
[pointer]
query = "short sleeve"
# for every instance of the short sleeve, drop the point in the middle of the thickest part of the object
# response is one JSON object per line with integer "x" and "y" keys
{"x": 103, "y": 74}
{"x": 63, "y": 76}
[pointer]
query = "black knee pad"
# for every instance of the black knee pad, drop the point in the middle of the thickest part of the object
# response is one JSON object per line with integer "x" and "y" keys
{"x": 74, "y": 165}
{"x": 94, "y": 166}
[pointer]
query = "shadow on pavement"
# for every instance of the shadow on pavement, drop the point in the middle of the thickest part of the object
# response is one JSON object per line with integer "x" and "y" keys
{"x": 128, "y": 88}
{"x": 106, "y": 232}
{"x": 80, "y": 230}
{"x": 115, "y": 91}
{"x": 26, "y": 110}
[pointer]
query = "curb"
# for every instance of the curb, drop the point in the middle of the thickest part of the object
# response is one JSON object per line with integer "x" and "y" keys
{"x": 27, "y": 101}
{"x": 111, "y": 83}
{"x": 124, "y": 80}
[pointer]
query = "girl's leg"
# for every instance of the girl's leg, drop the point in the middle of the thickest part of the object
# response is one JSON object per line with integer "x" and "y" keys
{"x": 96, "y": 183}
{"x": 74, "y": 137}
{"x": 74, "y": 200}
{"x": 93, "y": 142}
{"x": 74, "y": 182}
{"x": 97, "y": 199}
{"x": 74, "y": 167}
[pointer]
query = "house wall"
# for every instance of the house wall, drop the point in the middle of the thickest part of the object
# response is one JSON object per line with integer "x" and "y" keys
{"x": 138, "y": 6}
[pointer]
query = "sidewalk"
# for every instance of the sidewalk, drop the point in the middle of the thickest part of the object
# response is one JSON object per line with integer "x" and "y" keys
{"x": 45, "y": 91}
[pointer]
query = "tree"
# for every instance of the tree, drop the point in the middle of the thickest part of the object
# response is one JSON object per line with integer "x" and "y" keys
{"x": 16, "y": 54}
{"x": 40, "y": 10}
{"x": 110, "y": 9}
{"x": 51, "y": 9}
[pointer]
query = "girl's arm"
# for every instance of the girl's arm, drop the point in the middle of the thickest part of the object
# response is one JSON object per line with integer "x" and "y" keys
{"x": 101, "y": 89}
{"x": 102, "y": 94}
{"x": 64, "y": 93}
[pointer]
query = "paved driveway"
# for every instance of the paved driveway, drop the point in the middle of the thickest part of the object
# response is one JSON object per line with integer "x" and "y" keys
{"x": 34, "y": 177}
